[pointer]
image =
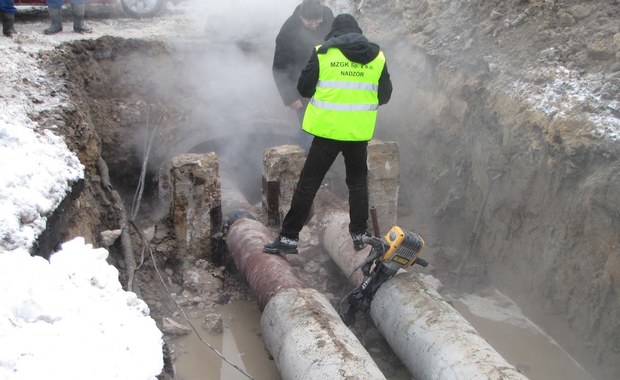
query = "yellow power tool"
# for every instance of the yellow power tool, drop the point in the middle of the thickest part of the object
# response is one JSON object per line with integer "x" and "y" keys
{"x": 398, "y": 249}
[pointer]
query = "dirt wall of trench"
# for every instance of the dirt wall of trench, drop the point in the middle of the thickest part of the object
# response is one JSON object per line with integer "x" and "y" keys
{"x": 116, "y": 99}
{"x": 548, "y": 237}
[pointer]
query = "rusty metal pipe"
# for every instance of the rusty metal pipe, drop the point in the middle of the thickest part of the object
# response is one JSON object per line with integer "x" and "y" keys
{"x": 265, "y": 274}
{"x": 301, "y": 329}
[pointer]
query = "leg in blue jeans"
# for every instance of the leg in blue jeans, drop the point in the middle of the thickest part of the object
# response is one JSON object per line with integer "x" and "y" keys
{"x": 7, "y": 14}
{"x": 7, "y": 6}
{"x": 303, "y": 138}
{"x": 55, "y": 4}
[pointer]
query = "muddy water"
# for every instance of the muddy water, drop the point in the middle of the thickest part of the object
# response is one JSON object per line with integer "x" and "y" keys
{"x": 498, "y": 320}
{"x": 240, "y": 343}
{"x": 493, "y": 315}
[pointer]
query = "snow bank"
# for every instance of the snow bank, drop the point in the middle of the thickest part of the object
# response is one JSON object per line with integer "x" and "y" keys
{"x": 69, "y": 318}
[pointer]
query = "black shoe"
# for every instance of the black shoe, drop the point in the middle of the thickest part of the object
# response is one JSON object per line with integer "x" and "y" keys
{"x": 53, "y": 29}
{"x": 81, "y": 28}
{"x": 281, "y": 244}
{"x": 8, "y": 32}
{"x": 358, "y": 240}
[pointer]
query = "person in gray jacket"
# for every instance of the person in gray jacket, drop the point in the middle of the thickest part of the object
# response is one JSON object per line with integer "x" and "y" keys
{"x": 300, "y": 33}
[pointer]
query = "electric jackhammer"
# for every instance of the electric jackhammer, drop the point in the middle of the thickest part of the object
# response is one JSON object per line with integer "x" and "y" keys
{"x": 398, "y": 249}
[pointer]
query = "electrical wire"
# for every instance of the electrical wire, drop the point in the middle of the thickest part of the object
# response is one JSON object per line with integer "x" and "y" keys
{"x": 135, "y": 205}
{"x": 134, "y": 212}
{"x": 161, "y": 279}
{"x": 369, "y": 259}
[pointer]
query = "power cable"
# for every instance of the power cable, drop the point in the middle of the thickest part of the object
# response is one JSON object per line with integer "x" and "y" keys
{"x": 369, "y": 259}
{"x": 161, "y": 279}
{"x": 135, "y": 205}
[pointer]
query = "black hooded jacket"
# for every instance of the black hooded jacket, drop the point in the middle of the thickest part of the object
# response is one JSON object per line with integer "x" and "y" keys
{"x": 294, "y": 44}
{"x": 347, "y": 36}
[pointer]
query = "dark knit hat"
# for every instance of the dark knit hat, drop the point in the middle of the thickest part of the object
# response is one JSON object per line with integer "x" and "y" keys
{"x": 311, "y": 9}
{"x": 343, "y": 24}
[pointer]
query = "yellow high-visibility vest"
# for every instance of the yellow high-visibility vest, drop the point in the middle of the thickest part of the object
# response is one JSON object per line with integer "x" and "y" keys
{"x": 344, "y": 105}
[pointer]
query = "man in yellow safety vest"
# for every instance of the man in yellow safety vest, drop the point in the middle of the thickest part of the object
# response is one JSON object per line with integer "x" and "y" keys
{"x": 347, "y": 79}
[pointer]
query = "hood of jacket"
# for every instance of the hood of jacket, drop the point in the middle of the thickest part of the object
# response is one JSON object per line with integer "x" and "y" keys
{"x": 347, "y": 36}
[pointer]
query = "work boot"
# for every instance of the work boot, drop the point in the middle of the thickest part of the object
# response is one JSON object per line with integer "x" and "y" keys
{"x": 8, "y": 22}
{"x": 281, "y": 244}
{"x": 78, "y": 18}
{"x": 358, "y": 240}
{"x": 55, "y": 21}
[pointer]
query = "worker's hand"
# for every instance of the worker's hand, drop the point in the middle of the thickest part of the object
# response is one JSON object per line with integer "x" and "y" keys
{"x": 296, "y": 105}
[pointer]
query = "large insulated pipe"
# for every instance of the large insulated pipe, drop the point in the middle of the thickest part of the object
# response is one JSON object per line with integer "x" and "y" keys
{"x": 308, "y": 340}
{"x": 338, "y": 244}
{"x": 432, "y": 338}
{"x": 301, "y": 330}
{"x": 429, "y": 336}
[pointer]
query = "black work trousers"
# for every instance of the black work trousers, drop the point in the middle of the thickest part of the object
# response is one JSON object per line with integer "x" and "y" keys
{"x": 322, "y": 154}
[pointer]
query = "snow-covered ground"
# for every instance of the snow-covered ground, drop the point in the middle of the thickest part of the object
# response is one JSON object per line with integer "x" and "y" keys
{"x": 69, "y": 318}
{"x": 565, "y": 95}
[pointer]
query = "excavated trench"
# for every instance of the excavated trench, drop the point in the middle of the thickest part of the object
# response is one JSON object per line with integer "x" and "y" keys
{"x": 544, "y": 238}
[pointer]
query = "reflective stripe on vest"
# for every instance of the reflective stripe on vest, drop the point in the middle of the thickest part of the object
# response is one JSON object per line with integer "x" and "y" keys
{"x": 344, "y": 105}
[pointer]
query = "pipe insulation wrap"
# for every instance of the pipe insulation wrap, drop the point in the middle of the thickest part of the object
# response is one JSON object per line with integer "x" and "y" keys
{"x": 308, "y": 340}
{"x": 265, "y": 274}
{"x": 430, "y": 337}
{"x": 338, "y": 243}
